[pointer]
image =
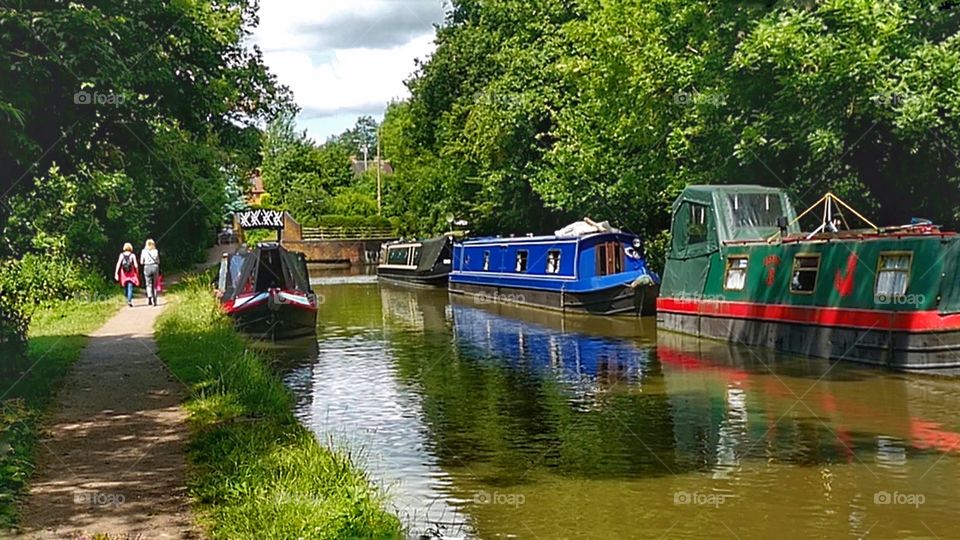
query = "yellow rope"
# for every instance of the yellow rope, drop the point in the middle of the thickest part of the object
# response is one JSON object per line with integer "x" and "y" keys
{"x": 848, "y": 207}
{"x": 828, "y": 197}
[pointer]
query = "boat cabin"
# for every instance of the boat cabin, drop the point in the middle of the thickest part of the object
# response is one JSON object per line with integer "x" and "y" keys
{"x": 266, "y": 267}
{"x": 549, "y": 261}
{"x": 586, "y": 267}
{"x": 422, "y": 263}
{"x": 741, "y": 269}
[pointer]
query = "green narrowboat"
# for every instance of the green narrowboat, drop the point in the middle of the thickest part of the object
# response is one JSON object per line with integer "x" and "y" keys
{"x": 740, "y": 269}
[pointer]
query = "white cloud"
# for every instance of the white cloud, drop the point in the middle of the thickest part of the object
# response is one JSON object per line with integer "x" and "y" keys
{"x": 352, "y": 80}
{"x": 345, "y": 56}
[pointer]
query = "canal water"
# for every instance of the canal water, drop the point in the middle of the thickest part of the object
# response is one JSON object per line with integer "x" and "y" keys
{"x": 493, "y": 421}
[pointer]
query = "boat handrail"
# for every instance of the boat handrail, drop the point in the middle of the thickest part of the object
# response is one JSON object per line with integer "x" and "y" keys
{"x": 828, "y": 223}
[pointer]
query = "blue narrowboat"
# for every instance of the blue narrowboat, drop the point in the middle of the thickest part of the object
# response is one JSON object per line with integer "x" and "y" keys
{"x": 586, "y": 267}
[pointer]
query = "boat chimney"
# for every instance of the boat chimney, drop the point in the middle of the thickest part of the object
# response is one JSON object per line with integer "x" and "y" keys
{"x": 782, "y": 224}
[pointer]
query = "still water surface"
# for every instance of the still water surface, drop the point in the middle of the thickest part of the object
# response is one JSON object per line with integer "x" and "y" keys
{"x": 490, "y": 421}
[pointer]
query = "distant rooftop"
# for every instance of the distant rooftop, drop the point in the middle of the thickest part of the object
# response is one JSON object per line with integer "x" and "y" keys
{"x": 360, "y": 166}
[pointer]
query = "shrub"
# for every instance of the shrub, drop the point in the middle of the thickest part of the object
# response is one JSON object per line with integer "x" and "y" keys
{"x": 351, "y": 201}
{"x": 332, "y": 220}
{"x": 14, "y": 322}
{"x": 657, "y": 247}
{"x": 41, "y": 279}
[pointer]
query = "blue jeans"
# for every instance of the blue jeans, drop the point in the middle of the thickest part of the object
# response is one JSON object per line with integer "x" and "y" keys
{"x": 129, "y": 288}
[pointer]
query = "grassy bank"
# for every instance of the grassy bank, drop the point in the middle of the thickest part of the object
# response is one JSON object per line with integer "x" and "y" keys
{"x": 255, "y": 471}
{"x": 57, "y": 335}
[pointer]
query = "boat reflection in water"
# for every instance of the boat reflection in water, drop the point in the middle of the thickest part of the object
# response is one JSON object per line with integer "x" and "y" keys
{"x": 416, "y": 310}
{"x": 494, "y": 421}
{"x": 359, "y": 403}
{"x": 546, "y": 341}
{"x": 878, "y": 440}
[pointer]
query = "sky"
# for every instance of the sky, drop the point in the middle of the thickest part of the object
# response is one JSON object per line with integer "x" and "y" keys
{"x": 345, "y": 58}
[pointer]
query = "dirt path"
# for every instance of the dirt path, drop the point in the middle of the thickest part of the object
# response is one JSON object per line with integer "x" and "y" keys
{"x": 112, "y": 458}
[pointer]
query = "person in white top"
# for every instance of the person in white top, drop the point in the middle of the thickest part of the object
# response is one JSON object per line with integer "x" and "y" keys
{"x": 150, "y": 261}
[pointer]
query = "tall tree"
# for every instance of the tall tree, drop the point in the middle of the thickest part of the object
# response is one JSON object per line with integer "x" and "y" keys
{"x": 134, "y": 112}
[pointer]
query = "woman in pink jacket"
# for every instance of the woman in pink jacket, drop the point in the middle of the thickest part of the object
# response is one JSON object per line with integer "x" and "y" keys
{"x": 127, "y": 272}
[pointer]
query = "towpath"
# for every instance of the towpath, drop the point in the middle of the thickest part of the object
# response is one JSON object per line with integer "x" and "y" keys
{"x": 112, "y": 458}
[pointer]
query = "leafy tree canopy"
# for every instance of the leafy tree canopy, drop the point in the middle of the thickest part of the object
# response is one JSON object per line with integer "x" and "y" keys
{"x": 532, "y": 112}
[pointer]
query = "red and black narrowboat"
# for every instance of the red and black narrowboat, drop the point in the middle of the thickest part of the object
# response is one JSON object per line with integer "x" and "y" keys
{"x": 267, "y": 292}
{"x": 740, "y": 269}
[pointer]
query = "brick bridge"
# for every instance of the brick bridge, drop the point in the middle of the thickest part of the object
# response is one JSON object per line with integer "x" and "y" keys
{"x": 335, "y": 246}
{"x": 341, "y": 246}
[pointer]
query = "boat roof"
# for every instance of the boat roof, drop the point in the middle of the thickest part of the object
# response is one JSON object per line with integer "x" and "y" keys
{"x": 418, "y": 241}
{"x": 731, "y": 188}
{"x": 857, "y": 235}
{"x": 542, "y": 238}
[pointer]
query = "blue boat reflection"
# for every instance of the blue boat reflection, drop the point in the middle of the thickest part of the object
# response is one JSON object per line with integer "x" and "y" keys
{"x": 576, "y": 356}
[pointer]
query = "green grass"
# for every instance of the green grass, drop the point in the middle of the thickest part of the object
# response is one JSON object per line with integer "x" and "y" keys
{"x": 57, "y": 335}
{"x": 255, "y": 471}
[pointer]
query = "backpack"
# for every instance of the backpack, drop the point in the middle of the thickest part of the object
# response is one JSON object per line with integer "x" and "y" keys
{"x": 127, "y": 263}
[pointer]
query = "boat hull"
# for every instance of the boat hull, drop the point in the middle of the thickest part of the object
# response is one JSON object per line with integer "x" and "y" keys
{"x": 413, "y": 279}
{"x": 893, "y": 349}
{"x": 618, "y": 300}
{"x": 277, "y": 316}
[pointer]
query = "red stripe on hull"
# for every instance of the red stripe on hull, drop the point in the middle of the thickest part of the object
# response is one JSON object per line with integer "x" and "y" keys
{"x": 905, "y": 321}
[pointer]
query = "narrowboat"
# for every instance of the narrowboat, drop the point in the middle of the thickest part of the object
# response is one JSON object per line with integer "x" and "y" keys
{"x": 423, "y": 263}
{"x": 267, "y": 292}
{"x": 587, "y": 267}
{"x": 739, "y": 269}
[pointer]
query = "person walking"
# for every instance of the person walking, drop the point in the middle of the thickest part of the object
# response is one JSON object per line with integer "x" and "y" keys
{"x": 150, "y": 259}
{"x": 127, "y": 272}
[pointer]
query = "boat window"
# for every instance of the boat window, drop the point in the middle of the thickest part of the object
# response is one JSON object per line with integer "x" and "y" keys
{"x": 398, "y": 256}
{"x": 269, "y": 271}
{"x": 222, "y": 276}
{"x": 486, "y": 260}
{"x": 416, "y": 256}
{"x": 697, "y": 227}
{"x": 736, "y": 276}
{"x": 609, "y": 258}
{"x": 893, "y": 274}
{"x": 806, "y": 267}
{"x": 553, "y": 261}
{"x": 754, "y": 210}
{"x": 522, "y": 260}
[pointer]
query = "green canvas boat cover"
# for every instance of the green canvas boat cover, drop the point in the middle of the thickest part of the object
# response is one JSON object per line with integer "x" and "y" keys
{"x": 950, "y": 286}
{"x": 706, "y": 216}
